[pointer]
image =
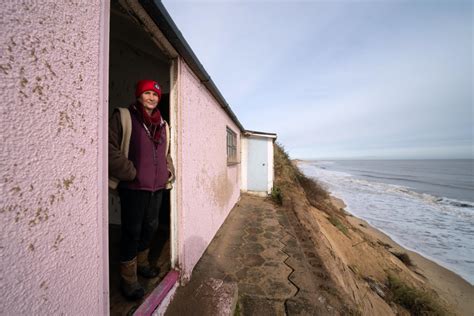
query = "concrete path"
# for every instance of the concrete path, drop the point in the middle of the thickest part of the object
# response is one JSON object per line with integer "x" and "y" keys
{"x": 258, "y": 251}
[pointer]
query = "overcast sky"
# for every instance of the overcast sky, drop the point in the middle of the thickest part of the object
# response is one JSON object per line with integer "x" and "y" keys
{"x": 342, "y": 79}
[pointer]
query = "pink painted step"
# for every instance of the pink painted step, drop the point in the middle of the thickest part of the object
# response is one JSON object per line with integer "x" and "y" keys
{"x": 158, "y": 295}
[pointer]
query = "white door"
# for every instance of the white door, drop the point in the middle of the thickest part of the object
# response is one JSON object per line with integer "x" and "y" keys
{"x": 257, "y": 171}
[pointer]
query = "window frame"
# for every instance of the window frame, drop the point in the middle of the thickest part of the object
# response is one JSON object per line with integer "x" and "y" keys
{"x": 231, "y": 145}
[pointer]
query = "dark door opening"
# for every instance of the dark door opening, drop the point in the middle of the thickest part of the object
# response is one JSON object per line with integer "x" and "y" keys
{"x": 134, "y": 56}
{"x": 160, "y": 252}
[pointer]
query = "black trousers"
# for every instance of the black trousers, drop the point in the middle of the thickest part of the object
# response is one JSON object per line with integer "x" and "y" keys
{"x": 139, "y": 214}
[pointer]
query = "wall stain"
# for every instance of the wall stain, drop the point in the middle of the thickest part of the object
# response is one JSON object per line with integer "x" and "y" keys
{"x": 23, "y": 82}
{"x": 52, "y": 198}
{"x": 58, "y": 240}
{"x": 222, "y": 189}
{"x": 38, "y": 89}
{"x": 50, "y": 69}
{"x": 61, "y": 185}
{"x": 15, "y": 190}
{"x": 31, "y": 247}
{"x": 65, "y": 121}
{"x": 18, "y": 216}
{"x": 33, "y": 54}
{"x": 40, "y": 217}
{"x": 68, "y": 182}
{"x": 6, "y": 68}
{"x": 9, "y": 208}
{"x": 44, "y": 285}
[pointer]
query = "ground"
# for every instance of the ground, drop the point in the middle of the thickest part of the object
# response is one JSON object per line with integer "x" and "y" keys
{"x": 276, "y": 272}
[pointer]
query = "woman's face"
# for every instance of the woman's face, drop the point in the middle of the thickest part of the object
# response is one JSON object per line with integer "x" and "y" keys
{"x": 149, "y": 99}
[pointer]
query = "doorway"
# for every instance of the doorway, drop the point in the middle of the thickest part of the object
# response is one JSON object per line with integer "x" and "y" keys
{"x": 257, "y": 164}
{"x": 134, "y": 56}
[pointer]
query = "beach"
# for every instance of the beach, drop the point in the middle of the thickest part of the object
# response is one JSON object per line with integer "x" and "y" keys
{"x": 452, "y": 288}
{"x": 426, "y": 206}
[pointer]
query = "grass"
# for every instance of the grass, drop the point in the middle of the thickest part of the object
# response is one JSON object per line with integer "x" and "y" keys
{"x": 404, "y": 257}
{"x": 276, "y": 195}
{"x": 416, "y": 301}
{"x": 237, "y": 310}
{"x": 337, "y": 223}
{"x": 317, "y": 196}
{"x": 288, "y": 174}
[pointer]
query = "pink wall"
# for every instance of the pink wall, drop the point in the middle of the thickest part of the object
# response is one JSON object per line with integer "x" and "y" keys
{"x": 53, "y": 170}
{"x": 209, "y": 188}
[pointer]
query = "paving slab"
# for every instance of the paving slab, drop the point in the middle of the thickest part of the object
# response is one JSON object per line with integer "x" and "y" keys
{"x": 257, "y": 250}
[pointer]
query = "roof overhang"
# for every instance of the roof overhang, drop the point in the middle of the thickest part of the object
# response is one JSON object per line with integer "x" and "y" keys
{"x": 249, "y": 133}
{"x": 157, "y": 12}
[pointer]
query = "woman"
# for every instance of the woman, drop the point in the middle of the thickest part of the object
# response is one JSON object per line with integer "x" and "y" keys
{"x": 139, "y": 158}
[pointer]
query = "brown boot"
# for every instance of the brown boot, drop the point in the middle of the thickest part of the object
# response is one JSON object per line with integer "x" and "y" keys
{"x": 144, "y": 267}
{"x": 129, "y": 285}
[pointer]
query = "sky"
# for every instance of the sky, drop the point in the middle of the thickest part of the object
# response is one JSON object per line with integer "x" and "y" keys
{"x": 378, "y": 79}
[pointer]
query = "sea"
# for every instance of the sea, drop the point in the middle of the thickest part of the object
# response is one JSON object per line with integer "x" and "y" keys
{"x": 426, "y": 206}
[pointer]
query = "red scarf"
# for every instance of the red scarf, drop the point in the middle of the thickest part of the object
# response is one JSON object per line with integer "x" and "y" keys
{"x": 153, "y": 123}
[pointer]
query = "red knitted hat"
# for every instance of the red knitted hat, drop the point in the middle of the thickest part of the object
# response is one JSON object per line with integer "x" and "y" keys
{"x": 146, "y": 85}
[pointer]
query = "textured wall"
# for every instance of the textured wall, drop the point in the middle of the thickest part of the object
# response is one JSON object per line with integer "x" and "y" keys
{"x": 209, "y": 187}
{"x": 52, "y": 186}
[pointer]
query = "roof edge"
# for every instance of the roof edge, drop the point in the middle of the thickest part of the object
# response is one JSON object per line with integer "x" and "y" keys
{"x": 261, "y": 134}
{"x": 165, "y": 23}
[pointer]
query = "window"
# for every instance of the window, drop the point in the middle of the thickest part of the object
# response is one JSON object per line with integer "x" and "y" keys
{"x": 231, "y": 146}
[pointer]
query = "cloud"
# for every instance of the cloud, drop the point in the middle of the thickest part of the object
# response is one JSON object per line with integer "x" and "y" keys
{"x": 342, "y": 78}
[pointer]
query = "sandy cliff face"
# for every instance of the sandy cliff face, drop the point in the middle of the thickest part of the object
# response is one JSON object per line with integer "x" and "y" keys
{"x": 357, "y": 262}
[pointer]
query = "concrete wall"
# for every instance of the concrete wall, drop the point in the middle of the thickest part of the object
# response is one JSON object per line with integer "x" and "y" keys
{"x": 53, "y": 90}
{"x": 208, "y": 188}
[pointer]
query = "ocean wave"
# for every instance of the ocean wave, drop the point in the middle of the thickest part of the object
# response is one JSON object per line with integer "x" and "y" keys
{"x": 411, "y": 179}
{"x": 361, "y": 184}
{"x": 441, "y": 201}
{"x": 438, "y": 227}
{"x": 456, "y": 203}
{"x": 458, "y": 208}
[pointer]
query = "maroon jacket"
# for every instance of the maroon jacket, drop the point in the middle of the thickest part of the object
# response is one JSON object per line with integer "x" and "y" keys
{"x": 148, "y": 157}
{"x": 148, "y": 166}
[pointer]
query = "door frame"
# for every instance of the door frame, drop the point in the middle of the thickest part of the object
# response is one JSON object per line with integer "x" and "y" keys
{"x": 138, "y": 13}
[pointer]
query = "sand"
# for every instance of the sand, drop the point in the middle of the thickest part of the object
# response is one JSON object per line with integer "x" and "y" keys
{"x": 458, "y": 293}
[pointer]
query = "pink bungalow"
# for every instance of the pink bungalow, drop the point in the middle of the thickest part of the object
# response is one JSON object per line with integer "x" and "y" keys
{"x": 65, "y": 66}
